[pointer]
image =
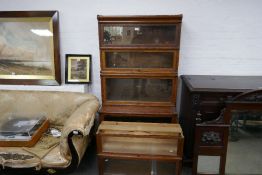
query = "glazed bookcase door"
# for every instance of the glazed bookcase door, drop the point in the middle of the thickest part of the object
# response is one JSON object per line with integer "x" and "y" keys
{"x": 143, "y": 145}
{"x": 139, "y": 90}
{"x": 133, "y": 35}
{"x": 139, "y": 60}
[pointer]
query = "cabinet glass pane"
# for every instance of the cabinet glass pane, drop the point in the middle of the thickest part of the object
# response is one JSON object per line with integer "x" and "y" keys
{"x": 138, "y": 167}
{"x": 132, "y": 145}
{"x": 139, "y": 59}
{"x": 136, "y": 89}
{"x": 139, "y": 34}
{"x": 208, "y": 164}
{"x": 245, "y": 142}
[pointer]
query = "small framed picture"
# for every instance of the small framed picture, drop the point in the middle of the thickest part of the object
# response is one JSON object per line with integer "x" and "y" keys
{"x": 78, "y": 68}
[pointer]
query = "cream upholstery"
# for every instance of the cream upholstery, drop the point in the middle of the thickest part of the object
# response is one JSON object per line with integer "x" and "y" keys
{"x": 66, "y": 111}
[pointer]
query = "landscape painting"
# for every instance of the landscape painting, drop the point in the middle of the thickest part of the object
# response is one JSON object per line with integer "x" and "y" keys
{"x": 26, "y": 48}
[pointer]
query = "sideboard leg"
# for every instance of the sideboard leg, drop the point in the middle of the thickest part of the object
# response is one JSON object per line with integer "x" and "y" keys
{"x": 178, "y": 167}
{"x": 101, "y": 165}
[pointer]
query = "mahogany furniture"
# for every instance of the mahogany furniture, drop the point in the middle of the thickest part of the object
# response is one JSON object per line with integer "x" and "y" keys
{"x": 139, "y": 61}
{"x": 212, "y": 137}
{"x": 203, "y": 97}
{"x": 211, "y": 141}
{"x": 139, "y": 141}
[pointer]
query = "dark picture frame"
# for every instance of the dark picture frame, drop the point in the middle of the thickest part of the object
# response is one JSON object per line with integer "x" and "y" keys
{"x": 78, "y": 69}
{"x": 29, "y": 48}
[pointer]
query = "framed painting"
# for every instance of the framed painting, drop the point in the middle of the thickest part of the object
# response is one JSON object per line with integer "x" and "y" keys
{"x": 29, "y": 48}
{"x": 78, "y": 68}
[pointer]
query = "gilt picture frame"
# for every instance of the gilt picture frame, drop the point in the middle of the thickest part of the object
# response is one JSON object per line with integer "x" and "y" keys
{"x": 78, "y": 69}
{"x": 29, "y": 48}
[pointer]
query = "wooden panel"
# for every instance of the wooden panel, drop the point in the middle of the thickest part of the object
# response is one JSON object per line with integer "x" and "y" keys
{"x": 141, "y": 127}
{"x": 159, "y": 114}
{"x": 142, "y": 19}
{"x": 208, "y": 83}
{"x": 138, "y": 110}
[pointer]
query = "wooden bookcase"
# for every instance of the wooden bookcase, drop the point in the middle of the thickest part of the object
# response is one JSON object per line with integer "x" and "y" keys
{"x": 139, "y": 58}
{"x": 139, "y": 141}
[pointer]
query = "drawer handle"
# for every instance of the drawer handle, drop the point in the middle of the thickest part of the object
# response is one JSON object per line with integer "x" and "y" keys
{"x": 198, "y": 118}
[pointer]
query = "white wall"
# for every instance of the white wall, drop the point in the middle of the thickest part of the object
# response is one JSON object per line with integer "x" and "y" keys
{"x": 218, "y": 36}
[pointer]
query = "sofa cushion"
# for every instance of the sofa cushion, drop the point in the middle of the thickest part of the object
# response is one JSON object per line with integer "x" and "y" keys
{"x": 57, "y": 107}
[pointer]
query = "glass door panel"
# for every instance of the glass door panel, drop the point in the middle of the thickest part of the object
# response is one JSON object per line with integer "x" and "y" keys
{"x": 139, "y": 89}
{"x": 147, "y": 146}
{"x": 245, "y": 142}
{"x": 208, "y": 164}
{"x": 138, "y": 167}
{"x": 120, "y": 59}
{"x": 137, "y": 34}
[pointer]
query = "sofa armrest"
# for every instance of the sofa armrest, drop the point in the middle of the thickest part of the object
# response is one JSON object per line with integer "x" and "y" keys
{"x": 78, "y": 124}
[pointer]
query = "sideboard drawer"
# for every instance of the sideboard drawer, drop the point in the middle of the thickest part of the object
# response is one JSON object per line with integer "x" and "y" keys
{"x": 209, "y": 111}
{"x": 216, "y": 97}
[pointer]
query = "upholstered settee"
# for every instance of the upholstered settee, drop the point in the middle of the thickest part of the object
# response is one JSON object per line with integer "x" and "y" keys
{"x": 73, "y": 114}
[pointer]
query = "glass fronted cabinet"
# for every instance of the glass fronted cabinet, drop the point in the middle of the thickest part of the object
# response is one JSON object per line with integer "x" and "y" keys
{"x": 143, "y": 60}
{"x": 160, "y": 91}
{"x": 153, "y": 143}
{"x": 139, "y": 58}
{"x": 139, "y": 34}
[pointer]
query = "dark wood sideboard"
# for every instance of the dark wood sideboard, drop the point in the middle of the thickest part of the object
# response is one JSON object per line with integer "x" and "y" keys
{"x": 202, "y": 98}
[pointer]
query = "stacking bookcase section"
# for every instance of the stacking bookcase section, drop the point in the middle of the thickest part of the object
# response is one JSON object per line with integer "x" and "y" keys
{"x": 139, "y": 58}
{"x": 140, "y": 141}
{"x": 139, "y": 90}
